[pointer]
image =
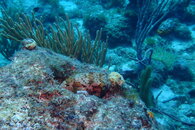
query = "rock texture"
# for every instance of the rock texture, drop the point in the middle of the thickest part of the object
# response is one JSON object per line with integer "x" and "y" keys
{"x": 34, "y": 95}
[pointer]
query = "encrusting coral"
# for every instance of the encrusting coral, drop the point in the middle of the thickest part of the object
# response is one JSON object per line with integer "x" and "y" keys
{"x": 116, "y": 79}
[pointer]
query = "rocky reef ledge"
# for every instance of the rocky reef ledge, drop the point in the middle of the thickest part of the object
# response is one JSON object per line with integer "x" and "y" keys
{"x": 41, "y": 89}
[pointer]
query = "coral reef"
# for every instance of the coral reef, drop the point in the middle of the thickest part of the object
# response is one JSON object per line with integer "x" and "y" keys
{"x": 167, "y": 26}
{"x": 62, "y": 37}
{"x": 94, "y": 22}
{"x": 35, "y": 95}
{"x": 166, "y": 57}
{"x": 40, "y": 89}
{"x": 113, "y": 3}
{"x": 182, "y": 32}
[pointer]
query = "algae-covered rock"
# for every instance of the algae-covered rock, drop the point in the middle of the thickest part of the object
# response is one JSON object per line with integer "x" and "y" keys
{"x": 119, "y": 29}
{"x": 182, "y": 32}
{"x": 167, "y": 26}
{"x": 113, "y": 3}
{"x": 34, "y": 95}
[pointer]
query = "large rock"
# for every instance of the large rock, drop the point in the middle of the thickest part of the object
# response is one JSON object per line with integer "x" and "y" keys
{"x": 34, "y": 95}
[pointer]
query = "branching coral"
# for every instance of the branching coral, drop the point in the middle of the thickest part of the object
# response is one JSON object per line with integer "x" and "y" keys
{"x": 60, "y": 38}
{"x": 150, "y": 14}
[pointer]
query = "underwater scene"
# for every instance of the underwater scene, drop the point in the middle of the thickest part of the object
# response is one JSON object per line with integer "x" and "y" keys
{"x": 97, "y": 64}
